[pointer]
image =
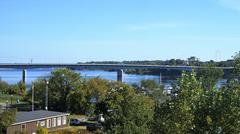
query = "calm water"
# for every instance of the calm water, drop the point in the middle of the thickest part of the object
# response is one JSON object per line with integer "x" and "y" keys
{"x": 13, "y": 76}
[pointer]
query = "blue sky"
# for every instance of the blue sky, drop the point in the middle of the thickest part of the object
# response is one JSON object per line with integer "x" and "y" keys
{"x": 95, "y": 30}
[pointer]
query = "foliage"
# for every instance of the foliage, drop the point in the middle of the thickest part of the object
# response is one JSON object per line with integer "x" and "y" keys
{"x": 199, "y": 110}
{"x": 3, "y": 87}
{"x": 17, "y": 89}
{"x": 209, "y": 76}
{"x": 77, "y": 102}
{"x": 132, "y": 112}
{"x": 237, "y": 63}
{"x": 22, "y": 88}
{"x": 6, "y": 119}
{"x": 149, "y": 84}
{"x": 39, "y": 93}
{"x": 41, "y": 130}
{"x": 97, "y": 88}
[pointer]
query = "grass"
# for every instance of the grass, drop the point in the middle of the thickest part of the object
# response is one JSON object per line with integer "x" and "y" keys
{"x": 6, "y": 97}
{"x": 72, "y": 130}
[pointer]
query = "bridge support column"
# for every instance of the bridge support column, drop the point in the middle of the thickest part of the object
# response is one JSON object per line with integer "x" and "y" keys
{"x": 120, "y": 75}
{"x": 160, "y": 79}
{"x": 24, "y": 75}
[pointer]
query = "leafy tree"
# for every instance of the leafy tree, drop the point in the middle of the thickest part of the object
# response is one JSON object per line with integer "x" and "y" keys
{"x": 97, "y": 88}
{"x": 3, "y": 87}
{"x": 39, "y": 93}
{"x": 22, "y": 88}
{"x": 149, "y": 84}
{"x": 7, "y": 118}
{"x": 77, "y": 102}
{"x": 61, "y": 83}
{"x": 209, "y": 75}
{"x": 132, "y": 113}
{"x": 237, "y": 63}
{"x": 199, "y": 110}
{"x": 193, "y": 61}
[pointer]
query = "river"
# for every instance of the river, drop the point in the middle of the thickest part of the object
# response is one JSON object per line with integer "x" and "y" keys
{"x": 13, "y": 76}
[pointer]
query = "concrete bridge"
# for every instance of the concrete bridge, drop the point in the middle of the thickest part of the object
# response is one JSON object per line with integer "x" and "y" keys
{"x": 118, "y": 67}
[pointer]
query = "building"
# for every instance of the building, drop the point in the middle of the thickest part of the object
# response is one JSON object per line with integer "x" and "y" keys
{"x": 29, "y": 121}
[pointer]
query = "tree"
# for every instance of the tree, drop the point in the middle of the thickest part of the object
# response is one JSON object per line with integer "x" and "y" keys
{"x": 149, "y": 84}
{"x": 97, "y": 88}
{"x": 132, "y": 113}
{"x": 199, "y": 110}
{"x": 39, "y": 93}
{"x": 7, "y": 118}
{"x": 193, "y": 61}
{"x": 209, "y": 75}
{"x": 237, "y": 63}
{"x": 61, "y": 83}
{"x": 3, "y": 87}
{"x": 77, "y": 102}
{"x": 22, "y": 88}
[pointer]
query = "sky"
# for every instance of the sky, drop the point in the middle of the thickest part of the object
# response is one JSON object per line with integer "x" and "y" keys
{"x": 69, "y": 31}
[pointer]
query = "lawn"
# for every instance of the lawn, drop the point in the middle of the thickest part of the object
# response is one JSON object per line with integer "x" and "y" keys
{"x": 72, "y": 130}
{"x": 6, "y": 97}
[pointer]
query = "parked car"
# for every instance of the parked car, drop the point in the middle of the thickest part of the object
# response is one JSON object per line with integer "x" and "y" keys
{"x": 94, "y": 126}
{"x": 75, "y": 122}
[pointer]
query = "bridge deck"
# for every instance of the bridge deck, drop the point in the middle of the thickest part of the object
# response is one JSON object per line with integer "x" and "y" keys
{"x": 103, "y": 66}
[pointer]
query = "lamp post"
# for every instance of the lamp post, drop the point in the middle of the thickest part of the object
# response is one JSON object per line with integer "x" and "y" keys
{"x": 46, "y": 99}
{"x": 32, "y": 97}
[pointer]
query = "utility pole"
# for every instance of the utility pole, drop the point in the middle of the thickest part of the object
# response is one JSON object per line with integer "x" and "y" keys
{"x": 32, "y": 97}
{"x": 46, "y": 99}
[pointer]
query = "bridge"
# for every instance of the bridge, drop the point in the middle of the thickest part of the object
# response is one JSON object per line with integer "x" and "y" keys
{"x": 118, "y": 67}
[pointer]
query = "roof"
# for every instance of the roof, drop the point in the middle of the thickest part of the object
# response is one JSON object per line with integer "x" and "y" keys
{"x": 23, "y": 117}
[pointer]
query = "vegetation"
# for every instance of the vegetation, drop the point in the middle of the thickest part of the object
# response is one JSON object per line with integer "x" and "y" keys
{"x": 6, "y": 119}
{"x": 195, "y": 105}
{"x": 41, "y": 130}
{"x": 17, "y": 89}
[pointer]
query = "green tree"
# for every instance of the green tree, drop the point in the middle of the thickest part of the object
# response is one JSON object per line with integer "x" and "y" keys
{"x": 97, "y": 88}
{"x": 132, "y": 113}
{"x": 237, "y": 63}
{"x": 39, "y": 93}
{"x": 7, "y": 118}
{"x": 149, "y": 84}
{"x": 3, "y": 87}
{"x": 199, "y": 110}
{"x": 61, "y": 83}
{"x": 77, "y": 102}
{"x": 21, "y": 88}
{"x": 209, "y": 75}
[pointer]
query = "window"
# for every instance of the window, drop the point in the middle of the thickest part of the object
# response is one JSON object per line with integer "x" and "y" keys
{"x": 42, "y": 123}
{"x": 23, "y": 127}
{"x": 48, "y": 123}
{"x": 59, "y": 121}
{"x": 54, "y": 122}
{"x": 64, "y": 120}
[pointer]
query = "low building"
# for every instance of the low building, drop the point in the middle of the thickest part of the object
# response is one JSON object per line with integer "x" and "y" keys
{"x": 29, "y": 121}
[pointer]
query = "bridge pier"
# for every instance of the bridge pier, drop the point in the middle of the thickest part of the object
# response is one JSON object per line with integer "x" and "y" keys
{"x": 24, "y": 75}
{"x": 120, "y": 75}
{"x": 160, "y": 78}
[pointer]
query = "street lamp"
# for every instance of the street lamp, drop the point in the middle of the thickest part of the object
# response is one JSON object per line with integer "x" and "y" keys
{"x": 32, "y": 97}
{"x": 46, "y": 97}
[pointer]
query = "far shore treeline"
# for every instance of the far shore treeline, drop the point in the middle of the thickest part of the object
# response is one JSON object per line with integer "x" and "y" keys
{"x": 169, "y": 74}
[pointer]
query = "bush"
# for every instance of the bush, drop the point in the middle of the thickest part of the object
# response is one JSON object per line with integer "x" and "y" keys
{"x": 41, "y": 130}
